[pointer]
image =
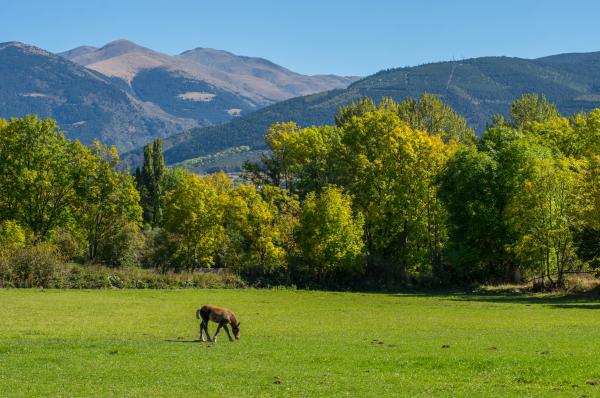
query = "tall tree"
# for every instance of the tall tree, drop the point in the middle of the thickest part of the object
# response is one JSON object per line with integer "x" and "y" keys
{"x": 193, "y": 228}
{"x": 330, "y": 234}
{"x": 473, "y": 194}
{"x": 544, "y": 212}
{"x": 39, "y": 174}
{"x": 391, "y": 172}
{"x": 355, "y": 109}
{"x": 149, "y": 180}
{"x": 532, "y": 108}
{"x": 256, "y": 237}
{"x": 109, "y": 206}
{"x": 430, "y": 114}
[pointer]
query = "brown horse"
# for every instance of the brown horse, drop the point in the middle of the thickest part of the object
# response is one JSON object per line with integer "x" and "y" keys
{"x": 219, "y": 315}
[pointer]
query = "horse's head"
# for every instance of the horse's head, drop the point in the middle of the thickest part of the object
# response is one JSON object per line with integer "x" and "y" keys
{"x": 236, "y": 330}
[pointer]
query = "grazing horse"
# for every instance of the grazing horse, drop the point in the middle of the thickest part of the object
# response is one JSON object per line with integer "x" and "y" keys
{"x": 219, "y": 315}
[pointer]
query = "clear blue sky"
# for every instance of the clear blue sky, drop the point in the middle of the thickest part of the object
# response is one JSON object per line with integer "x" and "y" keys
{"x": 325, "y": 36}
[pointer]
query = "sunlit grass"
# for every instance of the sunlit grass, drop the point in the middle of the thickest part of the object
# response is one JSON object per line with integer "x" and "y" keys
{"x": 296, "y": 343}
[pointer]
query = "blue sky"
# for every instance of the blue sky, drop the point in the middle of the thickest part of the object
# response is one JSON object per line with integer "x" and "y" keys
{"x": 344, "y": 37}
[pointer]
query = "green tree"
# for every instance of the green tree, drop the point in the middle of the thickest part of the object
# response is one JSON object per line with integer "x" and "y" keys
{"x": 587, "y": 239}
{"x": 149, "y": 181}
{"x": 355, "y": 109}
{"x": 473, "y": 195}
{"x": 430, "y": 114}
{"x": 39, "y": 174}
{"x": 475, "y": 187}
{"x": 109, "y": 208}
{"x": 193, "y": 229}
{"x": 256, "y": 232}
{"x": 531, "y": 108}
{"x": 544, "y": 213}
{"x": 556, "y": 133}
{"x": 330, "y": 234}
{"x": 587, "y": 134}
{"x": 391, "y": 172}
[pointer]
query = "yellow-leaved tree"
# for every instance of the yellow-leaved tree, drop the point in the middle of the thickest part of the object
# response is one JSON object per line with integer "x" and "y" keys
{"x": 544, "y": 213}
{"x": 193, "y": 218}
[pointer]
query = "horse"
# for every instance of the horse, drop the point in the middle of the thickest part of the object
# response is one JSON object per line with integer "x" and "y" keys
{"x": 219, "y": 315}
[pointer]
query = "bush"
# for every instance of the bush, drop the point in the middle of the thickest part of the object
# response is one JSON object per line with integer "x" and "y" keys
{"x": 76, "y": 276}
{"x": 32, "y": 266}
{"x": 70, "y": 244}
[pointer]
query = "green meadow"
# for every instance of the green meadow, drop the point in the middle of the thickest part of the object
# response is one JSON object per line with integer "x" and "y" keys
{"x": 140, "y": 343}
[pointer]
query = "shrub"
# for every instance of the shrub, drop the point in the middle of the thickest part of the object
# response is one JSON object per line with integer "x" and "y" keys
{"x": 32, "y": 266}
{"x": 70, "y": 244}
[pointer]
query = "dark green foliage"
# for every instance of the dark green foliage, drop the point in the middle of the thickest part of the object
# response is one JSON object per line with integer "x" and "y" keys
{"x": 149, "y": 181}
{"x": 355, "y": 109}
{"x": 588, "y": 247}
{"x": 477, "y": 235}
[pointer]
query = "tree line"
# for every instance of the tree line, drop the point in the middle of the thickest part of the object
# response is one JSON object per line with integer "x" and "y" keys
{"x": 391, "y": 193}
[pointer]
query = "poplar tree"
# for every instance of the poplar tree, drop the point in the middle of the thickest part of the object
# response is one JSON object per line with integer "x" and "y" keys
{"x": 149, "y": 180}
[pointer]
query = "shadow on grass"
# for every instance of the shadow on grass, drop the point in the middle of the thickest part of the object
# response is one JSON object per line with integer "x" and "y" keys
{"x": 558, "y": 301}
{"x": 589, "y": 301}
{"x": 183, "y": 341}
{"x": 578, "y": 306}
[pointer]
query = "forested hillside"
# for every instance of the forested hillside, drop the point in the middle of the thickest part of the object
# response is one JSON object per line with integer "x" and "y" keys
{"x": 476, "y": 88}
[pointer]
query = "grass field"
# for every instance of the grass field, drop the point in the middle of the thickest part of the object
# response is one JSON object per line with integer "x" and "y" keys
{"x": 296, "y": 343}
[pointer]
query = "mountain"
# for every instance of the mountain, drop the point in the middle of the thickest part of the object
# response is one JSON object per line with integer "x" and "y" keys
{"x": 176, "y": 86}
{"x": 476, "y": 88}
{"x": 209, "y": 86}
{"x": 127, "y": 95}
{"x": 272, "y": 81}
{"x": 87, "y": 104}
{"x": 77, "y": 52}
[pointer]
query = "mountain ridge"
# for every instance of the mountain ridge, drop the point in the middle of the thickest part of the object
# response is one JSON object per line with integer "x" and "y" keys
{"x": 477, "y": 88}
{"x": 86, "y": 103}
{"x": 124, "y": 59}
{"x": 127, "y": 94}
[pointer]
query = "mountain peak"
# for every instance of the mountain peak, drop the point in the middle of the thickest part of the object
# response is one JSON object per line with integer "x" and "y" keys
{"x": 122, "y": 43}
{"x": 77, "y": 52}
{"x": 24, "y": 47}
{"x": 86, "y": 56}
{"x": 121, "y": 46}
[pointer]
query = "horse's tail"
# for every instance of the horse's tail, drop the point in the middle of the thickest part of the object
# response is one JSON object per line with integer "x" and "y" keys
{"x": 203, "y": 313}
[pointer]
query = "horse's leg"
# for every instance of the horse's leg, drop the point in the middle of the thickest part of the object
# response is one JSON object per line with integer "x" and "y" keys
{"x": 227, "y": 331}
{"x": 217, "y": 332}
{"x": 202, "y": 329}
{"x": 206, "y": 330}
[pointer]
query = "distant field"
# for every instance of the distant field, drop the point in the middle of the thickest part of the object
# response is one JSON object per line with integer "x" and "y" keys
{"x": 296, "y": 343}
